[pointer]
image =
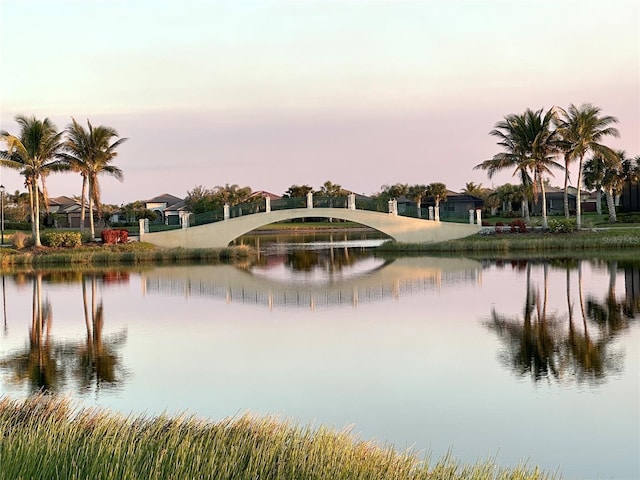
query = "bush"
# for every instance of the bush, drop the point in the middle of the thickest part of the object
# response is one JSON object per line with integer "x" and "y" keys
{"x": 518, "y": 226}
{"x": 21, "y": 240}
{"x": 62, "y": 239}
{"x": 499, "y": 227}
{"x": 114, "y": 236}
{"x": 562, "y": 225}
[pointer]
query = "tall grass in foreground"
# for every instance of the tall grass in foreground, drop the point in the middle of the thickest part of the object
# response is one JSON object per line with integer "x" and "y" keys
{"x": 44, "y": 437}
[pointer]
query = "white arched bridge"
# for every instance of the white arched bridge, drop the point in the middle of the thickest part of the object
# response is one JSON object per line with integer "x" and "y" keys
{"x": 219, "y": 228}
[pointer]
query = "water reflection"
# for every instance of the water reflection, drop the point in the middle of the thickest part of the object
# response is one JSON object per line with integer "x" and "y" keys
{"x": 320, "y": 279}
{"x": 557, "y": 347}
{"x": 48, "y": 365}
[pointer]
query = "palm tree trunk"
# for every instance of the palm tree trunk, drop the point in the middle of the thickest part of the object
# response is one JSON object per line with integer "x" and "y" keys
{"x": 578, "y": 201}
{"x": 566, "y": 187}
{"x": 611, "y": 205}
{"x": 83, "y": 202}
{"x": 545, "y": 223}
{"x": 599, "y": 200}
{"x": 91, "y": 225}
{"x": 36, "y": 217}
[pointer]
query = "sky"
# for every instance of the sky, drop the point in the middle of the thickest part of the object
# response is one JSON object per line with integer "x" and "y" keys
{"x": 268, "y": 94}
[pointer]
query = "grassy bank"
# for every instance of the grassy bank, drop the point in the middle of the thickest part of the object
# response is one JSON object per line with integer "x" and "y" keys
{"x": 583, "y": 240}
{"x": 48, "y": 438}
{"x": 126, "y": 254}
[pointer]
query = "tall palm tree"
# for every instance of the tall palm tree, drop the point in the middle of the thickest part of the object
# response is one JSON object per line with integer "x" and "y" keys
{"x": 90, "y": 152}
{"x": 530, "y": 146}
{"x": 36, "y": 153}
{"x": 612, "y": 181}
{"x": 582, "y": 129}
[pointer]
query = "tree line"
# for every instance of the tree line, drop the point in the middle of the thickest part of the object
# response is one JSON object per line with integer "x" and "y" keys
{"x": 40, "y": 149}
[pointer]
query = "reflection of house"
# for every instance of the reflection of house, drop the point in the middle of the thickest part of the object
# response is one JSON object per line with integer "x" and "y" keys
{"x": 64, "y": 212}
{"x": 630, "y": 200}
{"x": 167, "y": 207}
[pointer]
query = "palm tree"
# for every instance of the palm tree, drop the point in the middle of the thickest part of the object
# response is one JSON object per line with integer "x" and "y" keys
{"x": 581, "y": 130}
{"x": 612, "y": 182}
{"x": 91, "y": 152}
{"x": 417, "y": 193}
{"x": 35, "y": 153}
{"x": 438, "y": 191}
{"x": 470, "y": 188}
{"x": 530, "y": 145}
{"x": 592, "y": 175}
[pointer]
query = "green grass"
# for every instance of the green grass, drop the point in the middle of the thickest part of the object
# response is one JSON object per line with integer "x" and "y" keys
{"x": 619, "y": 238}
{"x": 44, "y": 437}
{"x": 125, "y": 254}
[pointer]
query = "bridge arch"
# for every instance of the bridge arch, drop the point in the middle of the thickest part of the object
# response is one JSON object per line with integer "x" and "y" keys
{"x": 221, "y": 234}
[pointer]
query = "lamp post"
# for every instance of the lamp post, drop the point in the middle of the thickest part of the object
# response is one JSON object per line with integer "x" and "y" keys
{"x": 2, "y": 212}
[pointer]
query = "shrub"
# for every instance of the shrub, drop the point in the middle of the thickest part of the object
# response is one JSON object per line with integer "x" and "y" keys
{"x": 62, "y": 239}
{"x": 499, "y": 227}
{"x": 21, "y": 240}
{"x": 114, "y": 236}
{"x": 518, "y": 226}
{"x": 562, "y": 225}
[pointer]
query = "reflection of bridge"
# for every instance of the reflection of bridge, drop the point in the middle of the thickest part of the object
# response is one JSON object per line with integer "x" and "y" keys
{"x": 218, "y": 229}
{"x": 387, "y": 279}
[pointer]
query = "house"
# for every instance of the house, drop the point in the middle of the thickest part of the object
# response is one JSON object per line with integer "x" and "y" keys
{"x": 630, "y": 199}
{"x": 65, "y": 212}
{"x": 456, "y": 205}
{"x": 555, "y": 201}
{"x": 161, "y": 204}
{"x": 262, "y": 194}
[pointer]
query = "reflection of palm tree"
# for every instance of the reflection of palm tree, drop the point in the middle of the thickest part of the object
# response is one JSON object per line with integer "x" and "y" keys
{"x": 38, "y": 363}
{"x": 532, "y": 340}
{"x": 609, "y": 315}
{"x": 537, "y": 345}
{"x": 97, "y": 359}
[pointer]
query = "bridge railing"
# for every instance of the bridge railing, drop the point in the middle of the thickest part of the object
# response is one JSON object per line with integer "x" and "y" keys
{"x": 321, "y": 202}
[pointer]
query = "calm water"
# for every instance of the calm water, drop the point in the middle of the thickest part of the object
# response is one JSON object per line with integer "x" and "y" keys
{"x": 518, "y": 361}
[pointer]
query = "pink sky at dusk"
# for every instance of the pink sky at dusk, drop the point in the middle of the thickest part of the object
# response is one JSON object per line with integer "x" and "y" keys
{"x": 268, "y": 94}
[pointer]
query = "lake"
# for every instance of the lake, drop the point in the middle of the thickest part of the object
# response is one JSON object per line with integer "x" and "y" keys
{"x": 520, "y": 361}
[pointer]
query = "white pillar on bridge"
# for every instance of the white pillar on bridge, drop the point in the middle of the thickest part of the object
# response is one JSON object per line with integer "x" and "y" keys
{"x": 393, "y": 207}
{"x": 478, "y": 216}
{"x": 143, "y": 225}
{"x": 226, "y": 211}
{"x": 351, "y": 201}
{"x": 436, "y": 210}
{"x": 431, "y": 213}
{"x": 471, "y": 212}
{"x": 267, "y": 201}
{"x": 310, "y": 200}
{"x": 184, "y": 219}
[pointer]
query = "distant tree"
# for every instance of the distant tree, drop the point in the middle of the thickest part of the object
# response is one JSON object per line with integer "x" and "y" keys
{"x": 137, "y": 210}
{"x": 200, "y": 200}
{"x": 298, "y": 191}
{"x": 438, "y": 192}
{"x": 231, "y": 194}
{"x": 592, "y": 176}
{"x": 417, "y": 193}
{"x": 36, "y": 153}
{"x": 472, "y": 189}
{"x": 330, "y": 189}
